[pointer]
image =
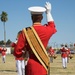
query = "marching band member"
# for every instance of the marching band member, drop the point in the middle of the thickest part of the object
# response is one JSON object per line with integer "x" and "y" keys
{"x": 3, "y": 51}
{"x": 51, "y": 54}
{"x": 64, "y": 56}
{"x": 20, "y": 64}
{"x": 34, "y": 67}
{"x": 68, "y": 53}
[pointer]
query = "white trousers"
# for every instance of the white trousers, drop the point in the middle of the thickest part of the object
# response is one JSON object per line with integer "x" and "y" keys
{"x": 20, "y": 67}
{"x": 3, "y": 59}
{"x": 51, "y": 59}
{"x": 64, "y": 62}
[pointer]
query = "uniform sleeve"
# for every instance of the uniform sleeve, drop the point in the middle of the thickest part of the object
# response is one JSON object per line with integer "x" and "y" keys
{"x": 13, "y": 44}
{"x": 69, "y": 51}
{"x": 51, "y": 28}
{"x": 53, "y": 51}
{"x": 20, "y": 45}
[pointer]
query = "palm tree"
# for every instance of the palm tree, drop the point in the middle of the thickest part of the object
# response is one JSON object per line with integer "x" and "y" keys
{"x": 4, "y": 19}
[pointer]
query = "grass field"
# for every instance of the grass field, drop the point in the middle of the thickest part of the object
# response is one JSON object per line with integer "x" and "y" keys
{"x": 9, "y": 67}
{"x": 57, "y": 69}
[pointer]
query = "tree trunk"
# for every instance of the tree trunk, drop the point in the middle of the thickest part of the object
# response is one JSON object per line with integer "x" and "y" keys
{"x": 4, "y": 35}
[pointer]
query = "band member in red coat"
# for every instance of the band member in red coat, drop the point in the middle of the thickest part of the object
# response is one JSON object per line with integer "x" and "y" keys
{"x": 51, "y": 54}
{"x": 3, "y": 52}
{"x": 34, "y": 67}
{"x": 64, "y": 56}
{"x": 68, "y": 53}
{"x": 20, "y": 63}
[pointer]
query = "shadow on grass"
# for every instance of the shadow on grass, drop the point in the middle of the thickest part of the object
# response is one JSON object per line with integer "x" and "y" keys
{"x": 7, "y": 71}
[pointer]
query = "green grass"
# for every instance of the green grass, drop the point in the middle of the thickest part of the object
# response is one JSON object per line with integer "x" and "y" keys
{"x": 56, "y": 68}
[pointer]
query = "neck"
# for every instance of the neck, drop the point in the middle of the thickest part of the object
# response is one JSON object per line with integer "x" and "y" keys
{"x": 36, "y": 23}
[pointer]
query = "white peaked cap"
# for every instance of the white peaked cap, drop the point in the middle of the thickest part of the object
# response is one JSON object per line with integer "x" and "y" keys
{"x": 36, "y": 10}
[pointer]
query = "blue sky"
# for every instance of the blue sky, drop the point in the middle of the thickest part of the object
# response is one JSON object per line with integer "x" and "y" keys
{"x": 63, "y": 12}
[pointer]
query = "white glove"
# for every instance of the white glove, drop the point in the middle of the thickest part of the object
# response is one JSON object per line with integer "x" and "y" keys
{"x": 4, "y": 48}
{"x": 15, "y": 42}
{"x": 23, "y": 51}
{"x": 66, "y": 48}
{"x": 48, "y": 12}
{"x": 48, "y": 7}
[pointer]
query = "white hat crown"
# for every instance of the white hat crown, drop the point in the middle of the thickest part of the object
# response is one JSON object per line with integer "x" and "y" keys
{"x": 36, "y": 10}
